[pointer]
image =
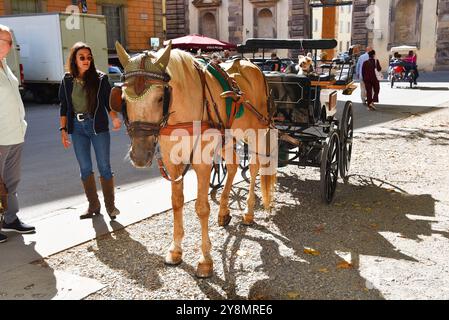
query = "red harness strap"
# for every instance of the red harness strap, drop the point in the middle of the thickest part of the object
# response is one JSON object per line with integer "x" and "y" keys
{"x": 187, "y": 128}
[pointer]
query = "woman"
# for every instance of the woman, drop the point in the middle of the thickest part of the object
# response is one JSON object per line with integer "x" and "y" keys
{"x": 410, "y": 64}
{"x": 84, "y": 95}
{"x": 370, "y": 79}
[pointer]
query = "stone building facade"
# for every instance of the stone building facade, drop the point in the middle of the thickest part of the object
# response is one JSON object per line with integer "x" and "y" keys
{"x": 380, "y": 23}
{"x": 132, "y": 22}
{"x": 237, "y": 20}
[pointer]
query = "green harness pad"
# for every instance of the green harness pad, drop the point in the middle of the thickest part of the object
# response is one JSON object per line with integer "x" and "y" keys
{"x": 225, "y": 85}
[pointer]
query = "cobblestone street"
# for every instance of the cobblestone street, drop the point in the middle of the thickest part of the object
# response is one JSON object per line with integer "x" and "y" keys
{"x": 384, "y": 237}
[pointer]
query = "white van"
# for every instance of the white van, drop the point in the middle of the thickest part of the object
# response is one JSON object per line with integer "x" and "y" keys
{"x": 13, "y": 61}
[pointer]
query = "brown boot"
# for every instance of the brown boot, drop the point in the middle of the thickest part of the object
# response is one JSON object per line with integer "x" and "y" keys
{"x": 109, "y": 198}
{"x": 90, "y": 189}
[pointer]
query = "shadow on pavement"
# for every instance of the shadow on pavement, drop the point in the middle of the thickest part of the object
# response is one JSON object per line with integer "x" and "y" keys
{"x": 436, "y": 137}
{"x": 33, "y": 281}
{"x": 363, "y": 209}
{"x": 119, "y": 251}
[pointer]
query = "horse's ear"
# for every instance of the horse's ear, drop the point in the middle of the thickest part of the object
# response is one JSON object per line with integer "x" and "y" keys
{"x": 123, "y": 56}
{"x": 162, "y": 62}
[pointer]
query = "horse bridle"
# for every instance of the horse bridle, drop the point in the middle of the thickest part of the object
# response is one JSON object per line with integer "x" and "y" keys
{"x": 142, "y": 128}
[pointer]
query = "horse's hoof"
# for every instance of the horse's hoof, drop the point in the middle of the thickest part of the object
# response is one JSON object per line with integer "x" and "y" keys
{"x": 248, "y": 220}
{"x": 173, "y": 259}
{"x": 205, "y": 270}
{"x": 223, "y": 221}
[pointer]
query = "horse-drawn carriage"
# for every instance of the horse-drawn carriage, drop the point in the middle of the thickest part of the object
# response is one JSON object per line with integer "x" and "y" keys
{"x": 304, "y": 109}
{"x": 175, "y": 107}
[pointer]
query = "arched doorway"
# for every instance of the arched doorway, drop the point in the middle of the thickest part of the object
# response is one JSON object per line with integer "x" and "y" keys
{"x": 209, "y": 25}
{"x": 265, "y": 24}
{"x": 406, "y": 22}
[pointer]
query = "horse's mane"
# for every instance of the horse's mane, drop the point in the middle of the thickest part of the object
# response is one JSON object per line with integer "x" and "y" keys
{"x": 180, "y": 65}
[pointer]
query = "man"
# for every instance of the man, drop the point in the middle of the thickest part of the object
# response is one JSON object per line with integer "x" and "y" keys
{"x": 364, "y": 57}
{"x": 12, "y": 137}
{"x": 276, "y": 62}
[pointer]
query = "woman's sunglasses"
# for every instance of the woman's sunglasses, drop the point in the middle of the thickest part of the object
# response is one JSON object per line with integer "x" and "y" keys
{"x": 84, "y": 58}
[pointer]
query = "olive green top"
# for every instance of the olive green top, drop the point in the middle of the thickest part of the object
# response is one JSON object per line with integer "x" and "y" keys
{"x": 79, "y": 97}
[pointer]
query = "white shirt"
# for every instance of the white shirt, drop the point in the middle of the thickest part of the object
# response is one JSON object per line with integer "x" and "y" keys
{"x": 12, "y": 112}
{"x": 364, "y": 57}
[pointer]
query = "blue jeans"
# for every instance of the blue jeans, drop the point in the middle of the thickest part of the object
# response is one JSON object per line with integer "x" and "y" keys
{"x": 82, "y": 137}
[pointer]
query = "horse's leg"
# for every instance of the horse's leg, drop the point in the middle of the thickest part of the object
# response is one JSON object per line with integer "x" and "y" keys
{"x": 174, "y": 255}
{"x": 248, "y": 218}
{"x": 231, "y": 165}
{"x": 205, "y": 264}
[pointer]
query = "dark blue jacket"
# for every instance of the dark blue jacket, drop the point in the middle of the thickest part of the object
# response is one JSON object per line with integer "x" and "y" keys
{"x": 101, "y": 119}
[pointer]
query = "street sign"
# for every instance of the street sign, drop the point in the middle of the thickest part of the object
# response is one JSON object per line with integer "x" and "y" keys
{"x": 154, "y": 42}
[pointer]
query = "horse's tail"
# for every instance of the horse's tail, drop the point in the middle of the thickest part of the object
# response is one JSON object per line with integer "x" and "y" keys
{"x": 269, "y": 170}
{"x": 267, "y": 184}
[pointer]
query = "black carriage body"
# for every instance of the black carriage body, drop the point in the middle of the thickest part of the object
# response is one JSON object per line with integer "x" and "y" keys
{"x": 291, "y": 95}
{"x": 298, "y": 114}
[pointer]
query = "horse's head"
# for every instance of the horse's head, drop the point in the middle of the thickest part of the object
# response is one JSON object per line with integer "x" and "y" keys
{"x": 147, "y": 96}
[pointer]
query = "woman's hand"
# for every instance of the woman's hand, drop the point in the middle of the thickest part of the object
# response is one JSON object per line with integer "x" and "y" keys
{"x": 65, "y": 139}
{"x": 116, "y": 124}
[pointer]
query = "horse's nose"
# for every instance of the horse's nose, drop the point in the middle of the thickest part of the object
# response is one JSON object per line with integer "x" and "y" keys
{"x": 140, "y": 157}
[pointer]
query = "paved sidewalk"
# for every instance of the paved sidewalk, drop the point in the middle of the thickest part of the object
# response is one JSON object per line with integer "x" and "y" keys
{"x": 62, "y": 229}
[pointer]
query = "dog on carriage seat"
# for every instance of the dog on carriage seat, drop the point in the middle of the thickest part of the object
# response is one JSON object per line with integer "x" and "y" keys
{"x": 305, "y": 65}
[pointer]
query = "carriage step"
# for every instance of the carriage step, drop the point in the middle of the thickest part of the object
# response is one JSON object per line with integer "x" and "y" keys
{"x": 285, "y": 137}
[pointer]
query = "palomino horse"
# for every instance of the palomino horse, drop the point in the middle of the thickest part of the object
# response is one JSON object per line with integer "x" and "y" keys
{"x": 167, "y": 91}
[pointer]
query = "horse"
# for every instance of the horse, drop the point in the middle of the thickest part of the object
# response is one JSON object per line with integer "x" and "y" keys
{"x": 167, "y": 94}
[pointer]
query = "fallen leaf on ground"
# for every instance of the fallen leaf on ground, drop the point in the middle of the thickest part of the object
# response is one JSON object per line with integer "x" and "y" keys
{"x": 311, "y": 251}
{"x": 344, "y": 265}
{"x": 293, "y": 294}
{"x": 323, "y": 270}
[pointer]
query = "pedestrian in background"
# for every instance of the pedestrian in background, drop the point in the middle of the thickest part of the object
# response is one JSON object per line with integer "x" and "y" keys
{"x": 84, "y": 95}
{"x": 371, "y": 80}
{"x": 362, "y": 59}
{"x": 12, "y": 137}
{"x": 215, "y": 58}
{"x": 226, "y": 55}
{"x": 276, "y": 62}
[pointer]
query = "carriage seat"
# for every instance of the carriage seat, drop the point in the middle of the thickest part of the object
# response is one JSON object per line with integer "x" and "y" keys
{"x": 291, "y": 95}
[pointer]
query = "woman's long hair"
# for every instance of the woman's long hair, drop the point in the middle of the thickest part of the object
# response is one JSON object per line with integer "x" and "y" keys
{"x": 90, "y": 77}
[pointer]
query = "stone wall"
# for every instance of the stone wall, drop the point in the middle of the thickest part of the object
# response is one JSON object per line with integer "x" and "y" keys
{"x": 360, "y": 32}
{"x": 299, "y": 22}
{"x": 442, "y": 54}
{"x": 176, "y": 13}
{"x": 235, "y": 21}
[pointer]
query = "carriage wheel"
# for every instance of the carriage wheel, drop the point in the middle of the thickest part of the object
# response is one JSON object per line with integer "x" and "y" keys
{"x": 329, "y": 167}
{"x": 218, "y": 173}
{"x": 346, "y": 138}
{"x": 241, "y": 148}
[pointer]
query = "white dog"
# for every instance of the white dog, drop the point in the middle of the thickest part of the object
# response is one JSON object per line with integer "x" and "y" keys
{"x": 305, "y": 65}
